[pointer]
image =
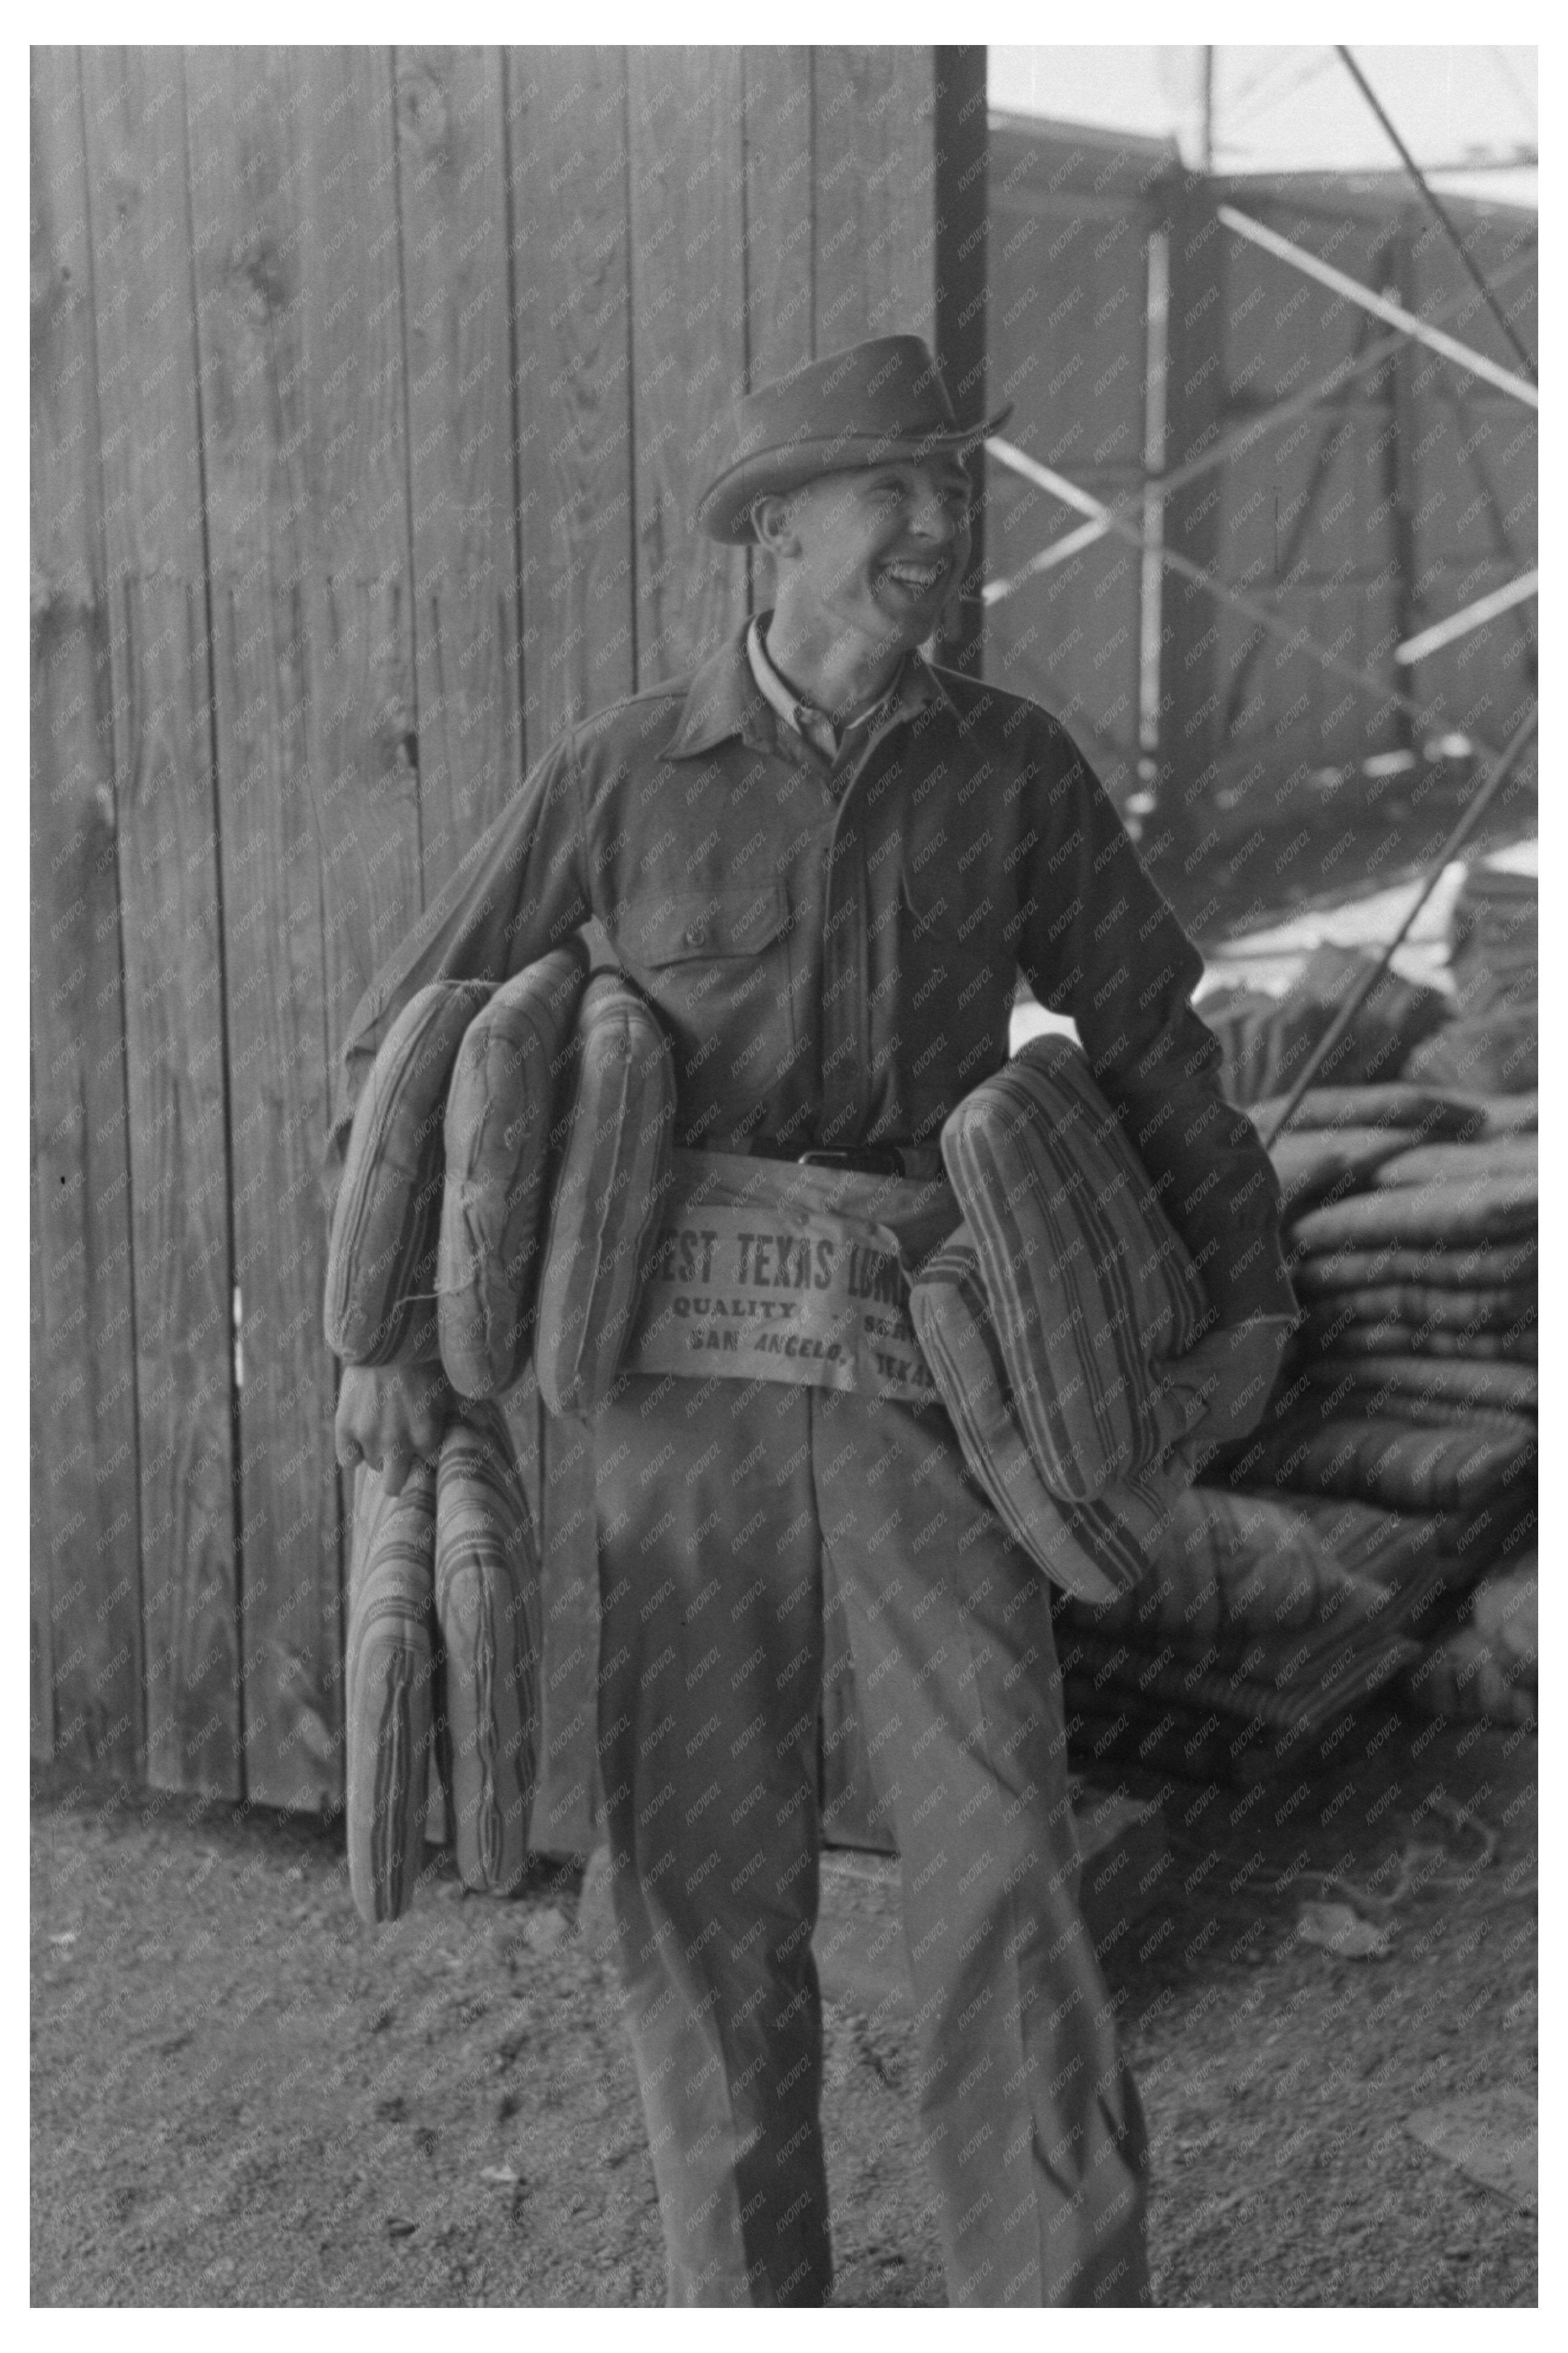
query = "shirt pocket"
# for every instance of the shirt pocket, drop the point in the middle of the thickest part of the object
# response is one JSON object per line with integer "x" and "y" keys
{"x": 717, "y": 964}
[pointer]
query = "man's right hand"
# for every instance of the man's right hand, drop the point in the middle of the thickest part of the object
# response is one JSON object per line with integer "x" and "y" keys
{"x": 391, "y": 1415}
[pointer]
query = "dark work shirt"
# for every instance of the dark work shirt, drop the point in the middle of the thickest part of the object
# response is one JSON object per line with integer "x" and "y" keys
{"x": 834, "y": 958}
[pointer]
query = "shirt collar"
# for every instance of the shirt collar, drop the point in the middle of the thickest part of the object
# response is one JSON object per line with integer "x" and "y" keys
{"x": 725, "y": 697}
{"x": 804, "y": 717}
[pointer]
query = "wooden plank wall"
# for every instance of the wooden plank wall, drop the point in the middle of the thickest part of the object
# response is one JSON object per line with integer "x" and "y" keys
{"x": 371, "y": 393}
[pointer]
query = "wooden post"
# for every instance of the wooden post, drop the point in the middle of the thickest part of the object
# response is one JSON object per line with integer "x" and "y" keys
{"x": 960, "y": 194}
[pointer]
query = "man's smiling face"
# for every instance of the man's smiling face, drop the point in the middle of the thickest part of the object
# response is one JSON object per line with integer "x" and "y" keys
{"x": 881, "y": 550}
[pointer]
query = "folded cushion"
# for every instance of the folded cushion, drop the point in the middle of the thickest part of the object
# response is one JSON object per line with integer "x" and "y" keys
{"x": 1432, "y": 1305}
{"x": 1513, "y": 1158}
{"x": 1504, "y": 1387}
{"x": 605, "y": 1219}
{"x": 1509, "y": 1265}
{"x": 1094, "y": 1549}
{"x": 509, "y": 1070}
{"x": 389, "y": 1700}
{"x": 1386, "y": 1461}
{"x": 1263, "y": 1583}
{"x": 1391, "y": 1106}
{"x": 1331, "y": 1160}
{"x": 1303, "y": 1704}
{"x": 1517, "y": 1344}
{"x": 381, "y": 1260}
{"x": 1486, "y": 1209}
{"x": 1092, "y": 1291}
{"x": 487, "y": 1610}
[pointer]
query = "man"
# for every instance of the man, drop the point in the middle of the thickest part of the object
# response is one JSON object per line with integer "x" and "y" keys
{"x": 823, "y": 862}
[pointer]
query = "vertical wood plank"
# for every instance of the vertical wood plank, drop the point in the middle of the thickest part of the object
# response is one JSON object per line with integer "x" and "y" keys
{"x": 687, "y": 341}
{"x": 780, "y": 303}
{"x": 354, "y": 609}
{"x": 356, "y": 616}
{"x": 451, "y": 184}
{"x": 874, "y": 131}
{"x": 566, "y": 169}
{"x": 256, "y": 403}
{"x": 169, "y": 896}
{"x": 87, "y": 1610}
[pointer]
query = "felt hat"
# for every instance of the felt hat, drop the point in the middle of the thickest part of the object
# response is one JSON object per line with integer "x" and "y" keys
{"x": 857, "y": 407}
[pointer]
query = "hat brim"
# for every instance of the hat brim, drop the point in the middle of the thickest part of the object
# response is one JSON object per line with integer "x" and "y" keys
{"x": 725, "y": 510}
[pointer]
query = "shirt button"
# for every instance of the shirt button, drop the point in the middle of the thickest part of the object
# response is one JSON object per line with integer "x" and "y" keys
{"x": 695, "y": 935}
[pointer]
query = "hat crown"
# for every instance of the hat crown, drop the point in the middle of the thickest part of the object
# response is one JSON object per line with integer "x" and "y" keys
{"x": 866, "y": 405}
{"x": 889, "y": 389}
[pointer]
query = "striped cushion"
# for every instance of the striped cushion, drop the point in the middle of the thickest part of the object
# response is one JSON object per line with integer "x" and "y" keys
{"x": 604, "y": 1221}
{"x": 1331, "y": 1160}
{"x": 1091, "y": 1290}
{"x": 1387, "y": 1462}
{"x": 1434, "y": 1305}
{"x": 1486, "y": 1209}
{"x": 501, "y": 1107}
{"x": 1514, "y": 1158}
{"x": 390, "y": 1711}
{"x": 1393, "y": 1105}
{"x": 1518, "y": 1345}
{"x": 1096, "y": 1549}
{"x": 487, "y": 1610}
{"x": 381, "y": 1261}
{"x": 1510, "y": 1265}
{"x": 1501, "y": 1388}
{"x": 1263, "y": 1582}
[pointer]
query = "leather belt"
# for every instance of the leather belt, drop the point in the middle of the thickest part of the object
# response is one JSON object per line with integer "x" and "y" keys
{"x": 921, "y": 1162}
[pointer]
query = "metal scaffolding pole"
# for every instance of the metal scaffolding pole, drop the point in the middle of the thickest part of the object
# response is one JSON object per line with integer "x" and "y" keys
{"x": 1475, "y": 363}
{"x": 1449, "y": 225}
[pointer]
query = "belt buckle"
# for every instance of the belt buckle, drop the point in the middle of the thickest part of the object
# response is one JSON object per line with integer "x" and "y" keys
{"x": 864, "y": 1159}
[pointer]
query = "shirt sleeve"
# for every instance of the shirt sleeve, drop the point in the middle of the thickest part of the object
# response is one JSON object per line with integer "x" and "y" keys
{"x": 1100, "y": 944}
{"x": 517, "y": 893}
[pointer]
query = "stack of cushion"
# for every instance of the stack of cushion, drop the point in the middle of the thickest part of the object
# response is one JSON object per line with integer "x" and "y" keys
{"x": 444, "y": 1649}
{"x": 1411, "y": 1383}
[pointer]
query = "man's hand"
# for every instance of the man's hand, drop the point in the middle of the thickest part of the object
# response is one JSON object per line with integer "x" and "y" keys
{"x": 391, "y": 1415}
{"x": 1232, "y": 1371}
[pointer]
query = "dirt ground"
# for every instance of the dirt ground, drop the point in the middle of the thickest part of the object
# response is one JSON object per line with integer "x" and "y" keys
{"x": 240, "y": 2096}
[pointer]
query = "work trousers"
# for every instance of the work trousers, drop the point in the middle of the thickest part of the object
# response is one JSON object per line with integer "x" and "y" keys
{"x": 718, "y": 1503}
